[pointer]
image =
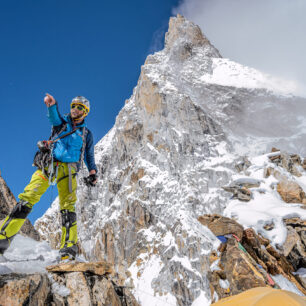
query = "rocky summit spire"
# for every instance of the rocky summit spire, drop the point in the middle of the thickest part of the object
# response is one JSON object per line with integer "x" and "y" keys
{"x": 187, "y": 35}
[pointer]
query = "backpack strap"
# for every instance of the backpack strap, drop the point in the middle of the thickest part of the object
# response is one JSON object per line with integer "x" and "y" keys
{"x": 84, "y": 136}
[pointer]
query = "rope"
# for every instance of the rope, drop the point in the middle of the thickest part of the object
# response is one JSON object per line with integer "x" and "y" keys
{"x": 261, "y": 269}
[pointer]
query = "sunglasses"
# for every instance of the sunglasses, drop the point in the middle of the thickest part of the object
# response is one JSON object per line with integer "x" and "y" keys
{"x": 79, "y": 107}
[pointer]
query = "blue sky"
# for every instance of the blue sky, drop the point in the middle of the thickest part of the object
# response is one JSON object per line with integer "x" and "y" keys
{"x": 96, "y": 49}
{"x": 68, "y": 48}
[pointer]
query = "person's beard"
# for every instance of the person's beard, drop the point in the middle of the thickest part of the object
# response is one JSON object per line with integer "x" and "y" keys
{"x": 77, "y": 118}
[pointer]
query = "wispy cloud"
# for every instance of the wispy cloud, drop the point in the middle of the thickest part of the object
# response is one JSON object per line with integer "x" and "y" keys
{"x": 265, "y": 34}
{"x": 158, "y": 38}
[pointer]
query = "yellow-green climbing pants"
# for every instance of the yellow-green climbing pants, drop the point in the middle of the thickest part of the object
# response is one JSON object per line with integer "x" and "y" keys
{"x": 40, "y": 183}
{"x": 36, "y": 188}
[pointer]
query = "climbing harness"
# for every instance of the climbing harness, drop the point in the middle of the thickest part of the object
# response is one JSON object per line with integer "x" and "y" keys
{"x": 44, "y": 157}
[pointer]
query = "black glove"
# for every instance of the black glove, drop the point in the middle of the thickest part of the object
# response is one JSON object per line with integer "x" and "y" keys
{"x": 89, "y": 180}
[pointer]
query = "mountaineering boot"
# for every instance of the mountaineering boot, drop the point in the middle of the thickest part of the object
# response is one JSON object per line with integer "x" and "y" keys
{"x": 68, "y": 249}
{"x": 12, "y": 224}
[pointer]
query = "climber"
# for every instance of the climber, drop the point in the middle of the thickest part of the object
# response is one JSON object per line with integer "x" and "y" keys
{"x": 58, "y": 162}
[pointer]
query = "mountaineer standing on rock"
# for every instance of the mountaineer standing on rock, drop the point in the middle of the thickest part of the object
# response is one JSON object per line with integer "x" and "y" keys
{"x": 58, "y": 162}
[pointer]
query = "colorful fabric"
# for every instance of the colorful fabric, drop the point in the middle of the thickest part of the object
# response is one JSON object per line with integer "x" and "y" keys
{"x": 222, "y": 239}
{"x": 12, "y": 224}
{"x": 39, "y": 184}
{"x": 34, "y": 190}
{"x": 69, "y": 148}
{"x": 12, "y": 228}
{"x": 69, "y": 229}
{"x": 263, "y": 296}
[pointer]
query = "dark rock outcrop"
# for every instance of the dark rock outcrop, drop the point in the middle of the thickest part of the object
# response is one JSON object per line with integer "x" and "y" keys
{"x": 7, "y": 202}
{"x": 295, "y": 244}
{"x": 240, "y": 188}
{"x": 289, "y": 162}
{"x": 23, "y": 289}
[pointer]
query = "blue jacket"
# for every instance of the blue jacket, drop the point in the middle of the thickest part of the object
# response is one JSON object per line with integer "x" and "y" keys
{"x": 69, "y": 148}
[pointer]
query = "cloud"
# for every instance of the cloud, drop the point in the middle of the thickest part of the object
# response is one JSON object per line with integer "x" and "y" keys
{"x": 265, "y": 34}
{"x": 157, "y": 42}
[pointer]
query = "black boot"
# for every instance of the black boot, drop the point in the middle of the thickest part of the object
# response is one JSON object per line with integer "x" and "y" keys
{"x": 68, "y": 249}
{"x": 12, "y": 224}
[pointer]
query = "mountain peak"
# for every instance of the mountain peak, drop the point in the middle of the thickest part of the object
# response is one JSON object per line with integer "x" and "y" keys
{"x": 182, "y": 31}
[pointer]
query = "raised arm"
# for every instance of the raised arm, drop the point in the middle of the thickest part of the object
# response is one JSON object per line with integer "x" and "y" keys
{"x": 53, "y": 114}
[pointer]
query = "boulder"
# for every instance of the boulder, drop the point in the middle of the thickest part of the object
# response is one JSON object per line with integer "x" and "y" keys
{"x": 22, "y": 289}
{"x": 266, "y": 256}
{"x": 240, "y": 193}
{"x": 271, "y": 171}
{"x": 296, "y": 159}
{"x": 98, "y": 268}
{"x": 91, "y": 283}
{"x": 220, "y": 225}
{"x": 243, "y": 165}
{"x": 240, "y": 188}
{"x": 245, "y": 262}
{"x": 239, "y": 270}
{"x": 286, "y": 161}
{"x": 291, "y": 192}
{"x": 247, "y": 182}
{"x": 294, "y": 247}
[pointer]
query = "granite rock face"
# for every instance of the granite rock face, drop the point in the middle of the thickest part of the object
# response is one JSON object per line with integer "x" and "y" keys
{"x": 18, "y": 289}
{"x": 68, "y": 284}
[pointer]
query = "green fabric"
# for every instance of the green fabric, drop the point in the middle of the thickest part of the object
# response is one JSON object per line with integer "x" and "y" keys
{"x": 40, "y": 183}
{"x": 12, "y": 228}
{"x": 35, "y": 189}
{"x": 241, "y": 247}
{"x": 72, "y": 238}
{"x": 33, "y": 192}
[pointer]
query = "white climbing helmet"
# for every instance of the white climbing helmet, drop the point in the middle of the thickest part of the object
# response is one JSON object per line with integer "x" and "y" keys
{"x": 82, "y": 101}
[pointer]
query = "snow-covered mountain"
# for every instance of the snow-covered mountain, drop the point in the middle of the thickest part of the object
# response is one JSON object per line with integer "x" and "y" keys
{"x": 192, "y": 116}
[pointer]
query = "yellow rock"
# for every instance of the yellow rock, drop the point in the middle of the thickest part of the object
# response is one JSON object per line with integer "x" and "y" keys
{"x": 98, "y": 268}
{"x": 263, "y": 296}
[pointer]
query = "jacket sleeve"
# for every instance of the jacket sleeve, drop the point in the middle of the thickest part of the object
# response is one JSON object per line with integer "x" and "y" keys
{"x": 54, "y": 115}
{"x": 90, "y": 153}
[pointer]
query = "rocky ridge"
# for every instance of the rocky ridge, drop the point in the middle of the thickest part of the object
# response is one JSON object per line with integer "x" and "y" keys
{"x": 66, "y": 284}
